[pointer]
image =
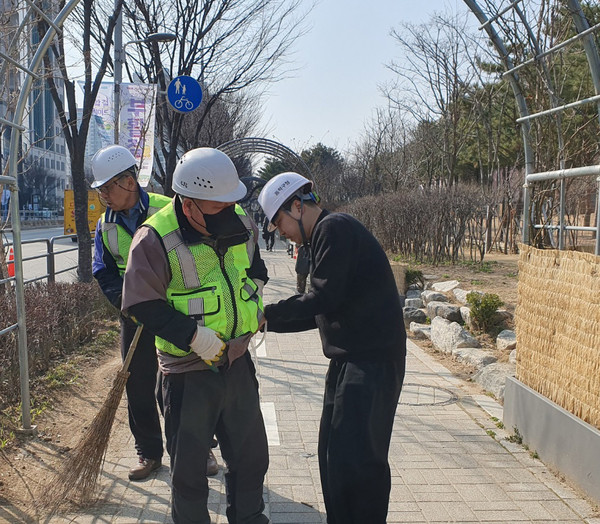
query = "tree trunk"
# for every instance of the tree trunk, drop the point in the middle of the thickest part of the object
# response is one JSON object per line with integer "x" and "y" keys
{"x": 80, "y": 196}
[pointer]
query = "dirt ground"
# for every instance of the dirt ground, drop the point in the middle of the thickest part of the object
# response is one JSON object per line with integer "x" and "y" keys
{"x": 28, "y": 465}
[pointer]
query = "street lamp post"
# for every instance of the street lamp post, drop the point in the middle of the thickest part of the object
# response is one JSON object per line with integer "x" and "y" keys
{"x": 120, "y": 60}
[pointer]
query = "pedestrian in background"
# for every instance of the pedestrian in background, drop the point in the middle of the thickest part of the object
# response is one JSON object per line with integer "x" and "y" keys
{"x": 268, "y": 235}
{"x": 302, "y": 267}
{"x": 354, "y": 303}
{"x": 194, "y": 277}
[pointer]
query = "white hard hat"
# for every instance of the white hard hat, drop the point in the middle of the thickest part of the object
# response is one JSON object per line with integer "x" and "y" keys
{"x": 110, "y": 161}
{"x": 280, "y": 189}
{"x": 207, "y": 174}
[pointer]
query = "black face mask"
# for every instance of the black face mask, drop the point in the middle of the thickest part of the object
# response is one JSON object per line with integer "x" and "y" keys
{"x": 223, "y": 223}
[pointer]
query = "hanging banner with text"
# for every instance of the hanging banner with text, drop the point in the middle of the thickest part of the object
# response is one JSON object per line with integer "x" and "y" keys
{"x": 136, "y": 131}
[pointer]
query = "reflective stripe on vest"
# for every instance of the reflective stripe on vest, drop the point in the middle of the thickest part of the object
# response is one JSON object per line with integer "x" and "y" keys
{"x": 118, "y": 240}
{"x": 215, "y": 290}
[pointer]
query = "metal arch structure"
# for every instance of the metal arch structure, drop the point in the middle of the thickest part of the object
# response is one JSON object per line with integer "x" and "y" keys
{"x": 253, "y": 145}
{"x": 544, "y": 425}
{"x": 16, "y": 124}
{"x": 489, "y": 23}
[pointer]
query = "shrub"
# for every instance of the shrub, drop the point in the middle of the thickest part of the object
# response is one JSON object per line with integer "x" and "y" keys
{"x": 483, "y": 309}
{"x": 59, "y": 318}
{"x": 414, "y": 276}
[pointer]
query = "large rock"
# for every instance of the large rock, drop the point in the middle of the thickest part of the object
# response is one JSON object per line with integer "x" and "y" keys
{"x": 461, "y": 294}
{"x": 444, "y": 310}
{"x": 446, "y": 336}
{"x": 413, "y": 315}
{"x": 420, "y": 330}
{"x": 431, "y": 296}
{"x": 506, "y": 339}
{"x": 502, "y": 317}
{"x": 413, "y": 303}
{"x": 445, "y": 287}
{"x": 465, "y": 313}
{"x": 492, "y": 378}
{"x": 414, "y": 293}
{"x": 475, "y": 357}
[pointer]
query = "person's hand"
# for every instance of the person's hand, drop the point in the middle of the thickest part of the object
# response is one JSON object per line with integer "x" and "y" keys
{"x": 207, "y": 344}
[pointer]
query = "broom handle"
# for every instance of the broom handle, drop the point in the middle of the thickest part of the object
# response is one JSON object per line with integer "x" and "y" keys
{"x": 132, "y": 347}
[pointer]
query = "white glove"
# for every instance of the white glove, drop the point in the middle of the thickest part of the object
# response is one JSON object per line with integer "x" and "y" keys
{"x": 206, "y": 344}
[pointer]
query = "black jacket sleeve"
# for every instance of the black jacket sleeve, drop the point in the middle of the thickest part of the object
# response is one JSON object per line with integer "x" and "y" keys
{"x": 334, "y": 258}
{"x": 164, "y": 321}
{"x": 110, "y": 280}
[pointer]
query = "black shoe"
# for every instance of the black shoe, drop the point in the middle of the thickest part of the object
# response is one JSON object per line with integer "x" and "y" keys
{"x": 144, "y": 468}
{"x": 212, "y": 466}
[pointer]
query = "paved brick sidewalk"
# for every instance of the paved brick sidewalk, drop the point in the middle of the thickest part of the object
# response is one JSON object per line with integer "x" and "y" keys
{"x": 450, "y": 462}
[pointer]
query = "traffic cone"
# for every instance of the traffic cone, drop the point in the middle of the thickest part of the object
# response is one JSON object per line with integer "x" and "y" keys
{"x": 10, "y": 262}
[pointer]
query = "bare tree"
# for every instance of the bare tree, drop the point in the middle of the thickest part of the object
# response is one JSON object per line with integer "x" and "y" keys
{"x": 75, "y": 132}
{"x": 432, "y": 84}
{"x": 380, "y": 157}
{"x": 232, "y": 47}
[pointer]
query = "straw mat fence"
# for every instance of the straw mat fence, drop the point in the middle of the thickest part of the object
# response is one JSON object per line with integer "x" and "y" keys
{"x": 558, "y": 328}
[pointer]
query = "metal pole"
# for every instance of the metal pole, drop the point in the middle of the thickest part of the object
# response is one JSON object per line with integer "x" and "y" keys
{"x": 118, "y": 70}
{"x": 13, "y": 157}
{"x": 561, "y": 218}
{"x": 20, "y": 299}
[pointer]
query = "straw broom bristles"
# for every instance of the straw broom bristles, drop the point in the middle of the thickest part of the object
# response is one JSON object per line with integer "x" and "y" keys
{"x": 77, "y": 479}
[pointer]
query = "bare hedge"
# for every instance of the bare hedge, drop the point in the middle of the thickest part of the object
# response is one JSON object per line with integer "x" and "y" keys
{"x": 433, "y": 225}
{"x": 60, "y": 318}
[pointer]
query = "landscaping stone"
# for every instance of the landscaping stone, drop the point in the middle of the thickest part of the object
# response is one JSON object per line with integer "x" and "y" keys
{"x": 446, "y": 336}
{"x": 413, "y": 303}
{"x": 444, "y": 310}
{"x": 420, "y": 330}
{"x": 492, "y": 378}
{"x": 475, "y": 357}
{"x": 506, "y": 339}
{"x": 431, "y": 296}
{"x": 413, "y": 315}
{"x": 445, "y": 287}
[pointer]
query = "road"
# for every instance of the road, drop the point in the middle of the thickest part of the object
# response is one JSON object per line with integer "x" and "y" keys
{"x": 37, "y": 243}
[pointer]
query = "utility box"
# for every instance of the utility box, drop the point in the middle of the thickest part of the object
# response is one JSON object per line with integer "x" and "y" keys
{"x": 95, "y": 210}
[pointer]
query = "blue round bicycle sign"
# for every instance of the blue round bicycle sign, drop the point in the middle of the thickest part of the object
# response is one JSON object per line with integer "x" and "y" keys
{"x": 184, "y": 94}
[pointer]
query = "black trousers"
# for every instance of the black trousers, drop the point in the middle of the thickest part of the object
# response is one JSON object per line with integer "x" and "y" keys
{"x": 354, "y": 439}
{"x": 141, "y": 392}
{"x": 198, "y": 405}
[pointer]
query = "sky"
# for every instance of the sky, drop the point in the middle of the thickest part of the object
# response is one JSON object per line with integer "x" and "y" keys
{"x": 341, "y": 61}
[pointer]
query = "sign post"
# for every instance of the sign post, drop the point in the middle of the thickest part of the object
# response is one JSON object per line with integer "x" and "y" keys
{"x": 184, "y": 94}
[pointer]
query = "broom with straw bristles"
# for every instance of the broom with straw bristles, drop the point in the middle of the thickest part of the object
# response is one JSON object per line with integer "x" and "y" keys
{"x": 76, "y": 481}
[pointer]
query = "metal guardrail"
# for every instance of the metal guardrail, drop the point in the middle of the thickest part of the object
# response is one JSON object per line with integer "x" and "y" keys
{"x": 50, "y": 257}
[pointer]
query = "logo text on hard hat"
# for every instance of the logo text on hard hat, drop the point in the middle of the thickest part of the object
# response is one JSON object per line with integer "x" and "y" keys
{"x": 282, "y": 187}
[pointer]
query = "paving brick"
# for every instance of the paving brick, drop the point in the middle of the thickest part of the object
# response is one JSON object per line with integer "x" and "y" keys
{"x": 445, "y": 467}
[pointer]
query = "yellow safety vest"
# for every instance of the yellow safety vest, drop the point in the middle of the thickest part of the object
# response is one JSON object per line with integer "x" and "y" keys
{"x": 118, "y": 240}
{"x": 212, "y": 288}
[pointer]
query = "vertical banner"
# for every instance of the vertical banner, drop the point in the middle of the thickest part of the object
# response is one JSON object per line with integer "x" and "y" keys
{"x": 136, "y": 131}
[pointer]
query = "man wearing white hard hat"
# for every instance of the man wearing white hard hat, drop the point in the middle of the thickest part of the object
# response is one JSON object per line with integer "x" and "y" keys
{"x": 195, "y": 278}
{"x": 354, "y": 303}
{"x": 127, "y": 206}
